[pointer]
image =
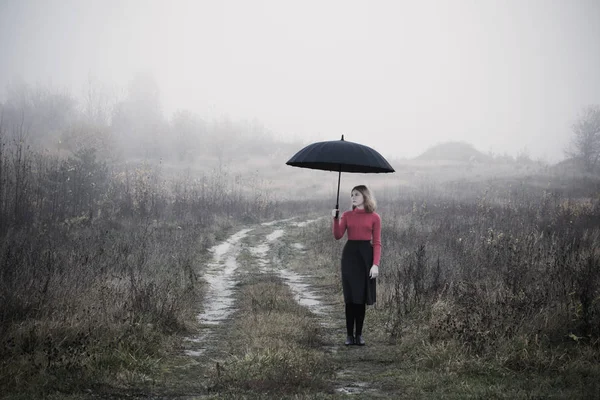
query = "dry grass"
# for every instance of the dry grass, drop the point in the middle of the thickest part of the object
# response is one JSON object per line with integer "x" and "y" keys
{"x": 99, "y": 267}
{"x": 494, "y": 286}
{"x": 96, "y": 311}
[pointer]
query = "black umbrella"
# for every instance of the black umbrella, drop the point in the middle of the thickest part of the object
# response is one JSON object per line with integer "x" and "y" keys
{"x": 341, "y": 156}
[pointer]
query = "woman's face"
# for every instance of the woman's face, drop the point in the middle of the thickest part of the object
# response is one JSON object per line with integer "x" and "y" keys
{"x": 357, "y": 199}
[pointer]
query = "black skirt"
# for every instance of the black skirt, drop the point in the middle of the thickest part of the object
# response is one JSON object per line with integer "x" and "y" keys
{"x": 357, "y": 259}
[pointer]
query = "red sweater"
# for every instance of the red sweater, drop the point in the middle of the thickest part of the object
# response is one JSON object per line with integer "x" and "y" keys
{"x": 361, "y": 225}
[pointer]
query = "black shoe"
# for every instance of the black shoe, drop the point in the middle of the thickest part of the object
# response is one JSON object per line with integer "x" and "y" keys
{"x": 349, "y": 340}
{"x": 359, "y": 340}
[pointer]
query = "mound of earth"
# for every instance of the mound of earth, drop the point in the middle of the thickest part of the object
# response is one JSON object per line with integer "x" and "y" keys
{"x": 453, "y": 151}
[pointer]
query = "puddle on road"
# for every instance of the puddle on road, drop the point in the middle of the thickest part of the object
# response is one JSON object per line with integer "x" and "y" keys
{"x": 302, "y": 293}
{"x": 220, "y": 249}
{"x": 275, "y": 235}
{"x": 220, "y": 276}
{"x": 359, "y": 388}
{"x": 277, "y": 221}
{"x": 220, "y": 293}
{"x": 356, "y": 387}
{"x": 195, "y": 353}
{"x": 260, "y": 251}
{"x": 304, "y": 223}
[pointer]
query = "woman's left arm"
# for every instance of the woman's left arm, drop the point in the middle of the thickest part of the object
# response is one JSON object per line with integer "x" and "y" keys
{"x": 376, "y": 239}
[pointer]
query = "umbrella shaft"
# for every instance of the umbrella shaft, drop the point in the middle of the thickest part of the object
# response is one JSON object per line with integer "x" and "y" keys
{"x": 337, "y": 201}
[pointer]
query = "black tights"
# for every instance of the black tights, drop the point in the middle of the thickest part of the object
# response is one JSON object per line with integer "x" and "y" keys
{"x": 355, "y": 313}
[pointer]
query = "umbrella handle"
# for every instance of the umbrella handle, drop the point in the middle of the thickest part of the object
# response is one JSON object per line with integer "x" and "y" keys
{"x": 337, "y": 204}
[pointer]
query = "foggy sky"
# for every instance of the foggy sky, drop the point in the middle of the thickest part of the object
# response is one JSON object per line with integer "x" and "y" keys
{"x": 396, "y": 75}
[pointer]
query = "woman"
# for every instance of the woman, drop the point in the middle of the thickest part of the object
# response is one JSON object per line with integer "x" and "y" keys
{"x": 360, "y": 258}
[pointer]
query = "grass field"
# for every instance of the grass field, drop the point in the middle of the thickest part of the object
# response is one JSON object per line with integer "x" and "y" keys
{"x": 489, "y": 288}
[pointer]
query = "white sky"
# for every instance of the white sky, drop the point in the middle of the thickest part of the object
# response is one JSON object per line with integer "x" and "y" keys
{"x": 398, "y": 76}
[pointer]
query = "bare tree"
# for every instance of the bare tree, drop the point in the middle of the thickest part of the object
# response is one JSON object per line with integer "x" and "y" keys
{"x": 98, "y": 103}
{"x": 585, "y": 144}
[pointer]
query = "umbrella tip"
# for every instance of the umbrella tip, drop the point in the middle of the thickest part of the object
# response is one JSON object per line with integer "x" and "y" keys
{"x": 342, "y": 137}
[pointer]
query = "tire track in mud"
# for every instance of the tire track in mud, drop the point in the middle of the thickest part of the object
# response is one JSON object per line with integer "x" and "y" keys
{"x": 219, "y": 299}
{"x": 303, "y": 293}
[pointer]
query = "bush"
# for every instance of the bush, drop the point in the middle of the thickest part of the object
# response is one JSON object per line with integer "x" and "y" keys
{"x": 489, "y": 271}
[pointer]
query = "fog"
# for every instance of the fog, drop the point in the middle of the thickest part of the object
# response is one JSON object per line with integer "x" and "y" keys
{"x": 400, "y": 76}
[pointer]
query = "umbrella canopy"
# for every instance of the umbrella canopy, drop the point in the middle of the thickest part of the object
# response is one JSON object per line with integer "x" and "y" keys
{"x": 340, "y": 156}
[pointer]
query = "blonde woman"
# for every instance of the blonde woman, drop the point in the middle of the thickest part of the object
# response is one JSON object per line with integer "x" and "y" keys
{"x": 360, "y": 259}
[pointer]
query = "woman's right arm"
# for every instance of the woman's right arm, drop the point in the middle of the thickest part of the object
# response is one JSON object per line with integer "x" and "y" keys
{"x": 339, "y": 226}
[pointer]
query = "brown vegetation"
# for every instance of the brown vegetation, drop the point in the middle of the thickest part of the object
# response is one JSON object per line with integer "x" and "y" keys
{"x": 511, "y": 264}
{"x": 486, "y": 290}
{"x": 99, "y": 264}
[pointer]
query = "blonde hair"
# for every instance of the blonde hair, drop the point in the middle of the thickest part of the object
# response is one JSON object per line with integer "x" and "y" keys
{"x": 370, "y": 204}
